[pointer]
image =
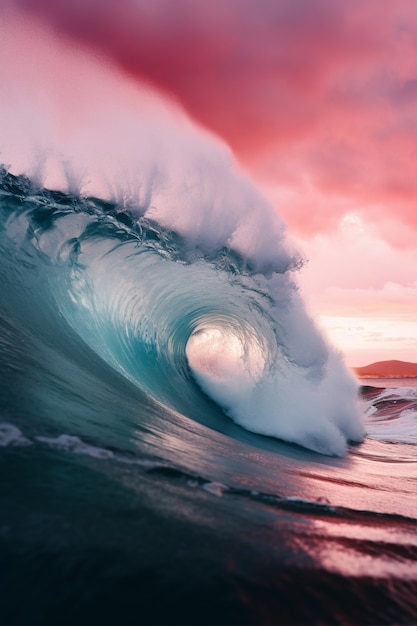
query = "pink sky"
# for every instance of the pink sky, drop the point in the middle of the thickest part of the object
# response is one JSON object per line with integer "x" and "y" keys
{"x": 318, "y": 101}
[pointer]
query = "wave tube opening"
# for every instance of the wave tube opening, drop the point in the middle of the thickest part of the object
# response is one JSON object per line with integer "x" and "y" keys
{"x": 225, "y": 359}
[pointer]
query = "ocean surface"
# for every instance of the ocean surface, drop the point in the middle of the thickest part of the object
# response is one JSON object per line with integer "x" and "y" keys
{"x": 178, "y": 444}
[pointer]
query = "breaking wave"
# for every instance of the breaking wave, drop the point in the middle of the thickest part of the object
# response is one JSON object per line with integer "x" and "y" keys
{"x": 184, "y": 309}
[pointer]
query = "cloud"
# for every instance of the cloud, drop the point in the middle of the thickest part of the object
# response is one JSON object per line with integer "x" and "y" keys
{"x": 359, "y": 287}
{"x": 394, "y": 300}
{"x": 318, "y": 95}
{"x": 251, "y": 72}
{"x": 372, "y": 339}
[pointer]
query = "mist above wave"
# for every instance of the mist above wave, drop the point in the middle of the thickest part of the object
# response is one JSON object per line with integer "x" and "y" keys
{"x": 85, "y": 129}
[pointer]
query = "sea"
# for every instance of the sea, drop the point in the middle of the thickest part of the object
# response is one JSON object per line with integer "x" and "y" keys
{"x": 178, "y": 443}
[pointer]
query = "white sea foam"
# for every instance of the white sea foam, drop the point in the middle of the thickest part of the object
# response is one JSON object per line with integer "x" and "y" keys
{"x": 403, "y": 429}
{"x": 215, "y": 488}
{"x": 306, "y": 397}
{"x": 399, "y": 425}
{"x": 10, "y": 435}
{"x": 76, "y": 445}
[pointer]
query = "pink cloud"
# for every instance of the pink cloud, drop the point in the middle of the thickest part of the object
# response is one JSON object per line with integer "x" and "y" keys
{"x": 318, "y": 90}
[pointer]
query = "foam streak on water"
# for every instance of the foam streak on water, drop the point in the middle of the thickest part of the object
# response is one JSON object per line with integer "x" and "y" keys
{"x": 392, "y": 415}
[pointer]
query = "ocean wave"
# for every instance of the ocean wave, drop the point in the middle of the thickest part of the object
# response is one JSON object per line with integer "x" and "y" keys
{"x": 391, "y": 415}
{"x": 179, "y": 313}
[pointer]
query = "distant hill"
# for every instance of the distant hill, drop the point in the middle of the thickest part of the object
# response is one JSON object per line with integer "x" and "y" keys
{"x": 387, "y": 369}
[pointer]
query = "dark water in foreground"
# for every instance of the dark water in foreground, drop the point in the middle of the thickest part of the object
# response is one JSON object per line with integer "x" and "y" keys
{"x": 116, "y": 508}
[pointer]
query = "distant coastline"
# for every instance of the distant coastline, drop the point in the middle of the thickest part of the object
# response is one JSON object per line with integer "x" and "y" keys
{"x": 387, "y": 369}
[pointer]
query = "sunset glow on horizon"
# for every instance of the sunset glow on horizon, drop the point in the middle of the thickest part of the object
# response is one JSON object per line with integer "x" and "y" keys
{"x": 318, "y": 102}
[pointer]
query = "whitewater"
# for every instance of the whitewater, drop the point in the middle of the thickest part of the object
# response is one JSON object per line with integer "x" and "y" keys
{"x": 179, "y": 443}
{"x": 169, "y": 310}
